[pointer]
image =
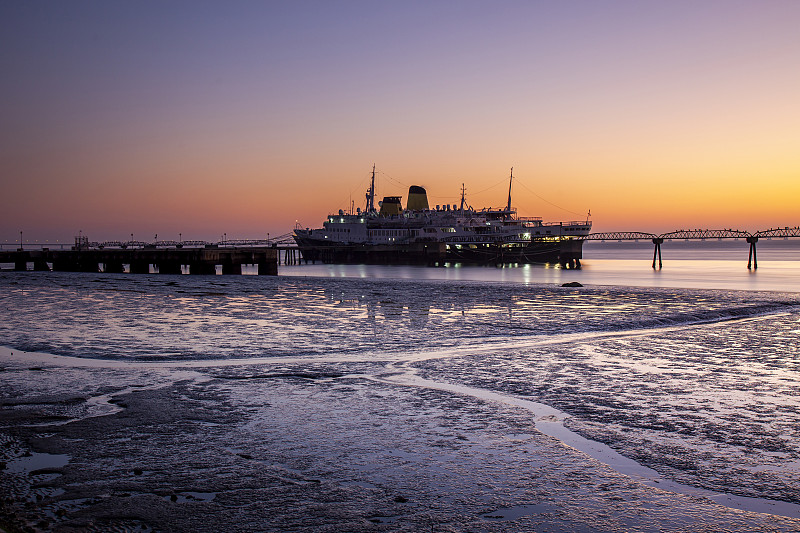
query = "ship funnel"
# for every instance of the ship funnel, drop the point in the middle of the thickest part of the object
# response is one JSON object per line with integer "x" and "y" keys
{"x": 417, "y": 198}
{"x": 390, "y": 206}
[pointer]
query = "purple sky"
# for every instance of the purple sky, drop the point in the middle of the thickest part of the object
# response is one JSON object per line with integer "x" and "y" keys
{"x": 244, "y": 117}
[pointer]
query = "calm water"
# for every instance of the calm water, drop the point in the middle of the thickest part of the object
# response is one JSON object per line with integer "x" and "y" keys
{"x": 702, "y": 265}
{"x": 685, "y": 378}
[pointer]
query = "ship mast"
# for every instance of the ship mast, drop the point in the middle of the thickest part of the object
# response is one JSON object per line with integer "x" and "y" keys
{"x": 463, "y": 192}
{"x": 371, "y": 193}
{"x": 508, "y": 207}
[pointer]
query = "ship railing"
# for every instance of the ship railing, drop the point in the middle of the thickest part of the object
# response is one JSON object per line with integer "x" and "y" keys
{"x": 488, "y": 238}
{"x": 569, "y": 223}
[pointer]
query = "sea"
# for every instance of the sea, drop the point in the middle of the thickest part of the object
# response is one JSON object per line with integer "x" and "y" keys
{"x": 406, "y": 398}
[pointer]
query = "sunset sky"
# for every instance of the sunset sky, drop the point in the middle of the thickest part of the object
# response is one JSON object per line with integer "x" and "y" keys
{"x": 244, "y": 118}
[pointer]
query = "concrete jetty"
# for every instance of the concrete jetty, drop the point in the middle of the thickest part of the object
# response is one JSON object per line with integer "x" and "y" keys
{"x": 172, "y": 260}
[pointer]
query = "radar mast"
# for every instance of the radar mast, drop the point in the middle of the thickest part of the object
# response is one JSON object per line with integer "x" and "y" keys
{"x": 510, "y": 179}
{"x": 371, "y": 193}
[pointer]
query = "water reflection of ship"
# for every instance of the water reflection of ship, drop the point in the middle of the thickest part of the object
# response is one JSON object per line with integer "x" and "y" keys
{"x": 384, "y": 308}
{"x": 404, "y": 312}
{"x": 454, "y": 234}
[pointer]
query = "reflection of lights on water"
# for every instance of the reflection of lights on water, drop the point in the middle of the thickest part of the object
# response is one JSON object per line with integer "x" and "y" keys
{"x": 776, "y": 275}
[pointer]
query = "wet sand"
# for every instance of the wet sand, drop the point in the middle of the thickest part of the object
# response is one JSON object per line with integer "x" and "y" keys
{"x": 311, "y": 445}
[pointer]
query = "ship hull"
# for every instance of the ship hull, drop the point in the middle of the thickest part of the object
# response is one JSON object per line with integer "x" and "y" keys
{"x": 418, "y": 253}
{"x": 566, "y": 252}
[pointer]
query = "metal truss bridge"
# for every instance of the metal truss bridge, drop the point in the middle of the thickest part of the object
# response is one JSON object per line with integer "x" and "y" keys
{"x": 697, "y": 235}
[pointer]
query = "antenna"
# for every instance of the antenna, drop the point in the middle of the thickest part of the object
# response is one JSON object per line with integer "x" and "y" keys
{"x": 508, "y": 207}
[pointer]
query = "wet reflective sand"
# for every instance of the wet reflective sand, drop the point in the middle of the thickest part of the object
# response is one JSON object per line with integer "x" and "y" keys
{"x": 315, "y": 404}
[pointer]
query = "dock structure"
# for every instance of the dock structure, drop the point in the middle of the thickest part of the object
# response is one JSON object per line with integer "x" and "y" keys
{"x": 147, "y": 259}
{"x": 229, "y": 256}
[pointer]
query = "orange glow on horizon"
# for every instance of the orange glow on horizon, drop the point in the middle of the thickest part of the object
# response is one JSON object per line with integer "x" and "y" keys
{"x": 599, "y": 108}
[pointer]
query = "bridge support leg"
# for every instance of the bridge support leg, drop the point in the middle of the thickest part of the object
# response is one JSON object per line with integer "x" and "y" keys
{"x": 752, "y": 260}
{"x": 202, "y": 268}
{"x": 139, "y": 267}
{"x": 231, "y": 268}
{"x": 268, "y": 269}
{"x": 657, "y": 252}
{"x": 89, "y": 265}
{"x": 62, "y": 265}
{"x": 113, "y": 267}
{"x": 169, "y": 267}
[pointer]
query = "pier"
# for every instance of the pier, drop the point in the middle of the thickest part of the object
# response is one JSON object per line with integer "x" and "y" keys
{"x": 698, "y": 235}
{"x": 160, "y": 257}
